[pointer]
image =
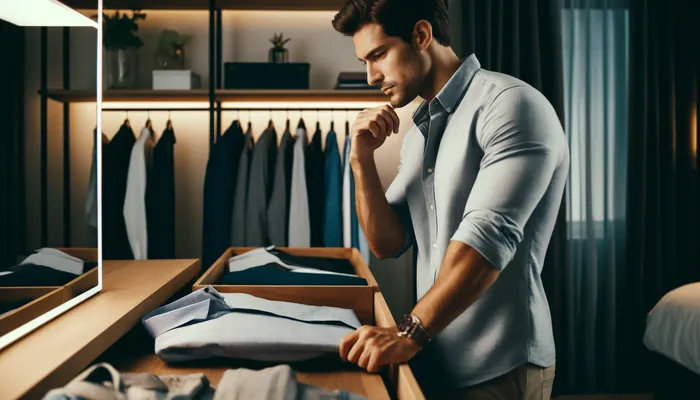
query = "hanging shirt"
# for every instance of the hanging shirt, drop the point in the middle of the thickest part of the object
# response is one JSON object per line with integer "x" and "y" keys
{"x": 299, "y": 228}
{"x": 315, "y": 186}
{"x": 135, "y": 198}
{"x": 333, "y": 216}
{"x": 160, "y": 199}
{"x": 278, "y": 210}
{"x": 262, "y": 175}
{"x": 240, "y": 196}
{"x": 115, "y": 169}
{"x": 219, "y": 188}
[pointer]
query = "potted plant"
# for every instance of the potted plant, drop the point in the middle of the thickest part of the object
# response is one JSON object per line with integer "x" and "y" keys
{"x": 121, "y": 43}
{"x": 171, "y": 49}
{"x": 278, "y": 53}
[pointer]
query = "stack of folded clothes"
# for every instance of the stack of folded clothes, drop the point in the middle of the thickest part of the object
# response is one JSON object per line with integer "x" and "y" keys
{"x": 102, "y": 381}
{"x": 45, "y": 267}
{"x": 208, "y": 324}
{"x": 271, "y": 266}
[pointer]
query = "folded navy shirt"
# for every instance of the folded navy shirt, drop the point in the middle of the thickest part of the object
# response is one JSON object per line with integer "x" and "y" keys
{"x": 275, "y": 274}
{"x": 36, "y": 275}
{"x": 339, "y": 265}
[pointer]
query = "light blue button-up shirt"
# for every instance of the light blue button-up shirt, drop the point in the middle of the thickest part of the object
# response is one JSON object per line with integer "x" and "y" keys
{"x": 485, "y": 164}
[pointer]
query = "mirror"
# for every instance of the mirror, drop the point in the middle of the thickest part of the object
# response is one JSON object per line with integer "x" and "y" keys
{"x": 49, "y": 203}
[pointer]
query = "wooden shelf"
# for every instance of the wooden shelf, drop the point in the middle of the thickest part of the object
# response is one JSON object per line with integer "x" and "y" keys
{"x": 310, "y": 5}
{"x": 201, "y": 95}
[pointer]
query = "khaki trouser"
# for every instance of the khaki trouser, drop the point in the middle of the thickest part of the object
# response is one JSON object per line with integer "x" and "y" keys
{"x": 527, "y": 382}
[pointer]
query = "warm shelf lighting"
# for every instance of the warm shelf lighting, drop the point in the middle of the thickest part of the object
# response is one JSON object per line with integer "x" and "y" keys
{"x": 43, "y": 13}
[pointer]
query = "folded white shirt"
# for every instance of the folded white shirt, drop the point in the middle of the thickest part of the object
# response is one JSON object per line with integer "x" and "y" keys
{"x": 261, "y": 256}
{"x": 200, "y": 326}
{"x": 57, "y": 260}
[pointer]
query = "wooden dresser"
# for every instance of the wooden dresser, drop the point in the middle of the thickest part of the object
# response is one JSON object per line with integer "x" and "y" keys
{"x": 107, "y": 328}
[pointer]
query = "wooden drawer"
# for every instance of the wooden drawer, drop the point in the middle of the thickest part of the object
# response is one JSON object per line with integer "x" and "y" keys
{"x": 358, "y": 298}
{"x": 367, "y": 302}
{"x": 45, "y": 298}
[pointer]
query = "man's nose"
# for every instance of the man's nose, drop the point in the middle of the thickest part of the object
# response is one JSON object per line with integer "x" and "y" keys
{"x": 374, "y": 77}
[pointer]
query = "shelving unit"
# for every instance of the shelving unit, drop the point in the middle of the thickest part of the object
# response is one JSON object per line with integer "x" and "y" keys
{"x": 215, "y": 94}
{"x": 77, "y": 96}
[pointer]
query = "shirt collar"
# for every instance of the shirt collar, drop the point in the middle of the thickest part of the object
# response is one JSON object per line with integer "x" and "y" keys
{"x": 453, "y": 91}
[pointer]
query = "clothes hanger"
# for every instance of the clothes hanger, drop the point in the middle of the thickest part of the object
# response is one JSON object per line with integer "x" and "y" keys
{"x": 169, "y": 124}
{"x": 286, "y": 128}
{"x": 332, "y": 122}
{"x": 126, "y": 120}
{"x": 318, "y": 120}
{"x": 270, "y": 123}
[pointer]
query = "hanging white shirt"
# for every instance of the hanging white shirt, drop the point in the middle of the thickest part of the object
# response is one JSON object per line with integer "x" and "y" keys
{"x": 299, "y": 222}
{"x": 135, "y": 199}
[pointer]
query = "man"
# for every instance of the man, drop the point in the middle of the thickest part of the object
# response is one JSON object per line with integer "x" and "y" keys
{"x": 481, "y": 178}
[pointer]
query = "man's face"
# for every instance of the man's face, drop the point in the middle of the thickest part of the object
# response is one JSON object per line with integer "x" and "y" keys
{"x": 392, "y": 64}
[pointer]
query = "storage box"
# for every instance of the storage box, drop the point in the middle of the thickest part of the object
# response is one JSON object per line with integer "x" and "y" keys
{"x": 175, "y": 80}
{"x": 250, "y": 75}
{"x": 46, "y": 298}
{"x": 358, "y": 298}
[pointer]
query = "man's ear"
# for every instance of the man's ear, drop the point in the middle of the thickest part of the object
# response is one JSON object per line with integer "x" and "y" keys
{"x": 422, "y": 35}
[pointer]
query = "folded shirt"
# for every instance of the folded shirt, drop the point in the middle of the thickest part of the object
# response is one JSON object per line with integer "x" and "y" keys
{"x": 270, "y": 255}
{"x": 276, "y": 274}
{"x": 45, "y": 267}
{"x": 36, "y": 275}
{"x": 206, "y": 324}
{"x": 103, "y": 382}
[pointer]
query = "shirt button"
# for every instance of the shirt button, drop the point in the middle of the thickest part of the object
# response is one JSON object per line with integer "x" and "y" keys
{"x": 434, "y": 244}
{"x": 432, "y": 207}
{"x": 430, "y": 170}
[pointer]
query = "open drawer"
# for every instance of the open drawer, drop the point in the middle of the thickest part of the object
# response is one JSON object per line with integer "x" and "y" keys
{"x": 358, "y": 298}
{"x": 367, "y": 302}
{"x": 87, "y": 280}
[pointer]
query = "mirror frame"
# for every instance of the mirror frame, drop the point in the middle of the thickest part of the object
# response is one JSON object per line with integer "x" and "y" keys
{"x": 39, "y": 321}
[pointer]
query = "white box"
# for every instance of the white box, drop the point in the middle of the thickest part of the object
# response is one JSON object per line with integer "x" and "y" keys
{"x": 172, "y": 79}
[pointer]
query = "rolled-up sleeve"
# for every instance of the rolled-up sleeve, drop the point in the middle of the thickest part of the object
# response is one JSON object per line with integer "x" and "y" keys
{"x": 396, "y": 196}
{"x": 523, "y": 144}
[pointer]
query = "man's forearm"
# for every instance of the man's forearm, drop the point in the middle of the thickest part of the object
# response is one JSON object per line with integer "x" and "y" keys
{"x": 464, "y": 276}
{"x": 379, "y": 221}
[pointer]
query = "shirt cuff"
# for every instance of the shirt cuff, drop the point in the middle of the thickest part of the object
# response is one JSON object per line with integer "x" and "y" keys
{"x": 491, "y": 234}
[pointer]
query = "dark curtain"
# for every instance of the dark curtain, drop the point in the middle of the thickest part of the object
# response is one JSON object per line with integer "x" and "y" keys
{"x": 663, "y": 177}
{"x": 522, "y": 38}
{"x": 12, "y": 209}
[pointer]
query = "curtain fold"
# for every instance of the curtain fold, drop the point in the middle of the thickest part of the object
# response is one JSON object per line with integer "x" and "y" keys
{"x": 596, "y": 60}
{"x": 12, "y": 193}
{"x": 663, "y": 178}
{"x": 523, "y": 38}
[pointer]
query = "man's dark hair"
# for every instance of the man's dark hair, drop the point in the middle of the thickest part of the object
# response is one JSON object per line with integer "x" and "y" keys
{"x": 397, "y": 17}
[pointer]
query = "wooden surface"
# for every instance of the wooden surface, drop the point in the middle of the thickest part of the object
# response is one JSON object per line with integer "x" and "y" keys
{"x": 199, "y": 95}
{"x": 82, "y": 284}
{"x": 328, "y": 5}
{"x": 46, "y": 298}
{"x": 56, "y": 352}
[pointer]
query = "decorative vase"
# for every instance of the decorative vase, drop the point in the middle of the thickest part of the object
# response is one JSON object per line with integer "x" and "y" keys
{"x": 121, "y": 68}
{"x": 278, "y": 55}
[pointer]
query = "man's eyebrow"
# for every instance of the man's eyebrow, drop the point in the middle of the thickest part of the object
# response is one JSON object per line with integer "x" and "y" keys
{"x": 373, "y": 52}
